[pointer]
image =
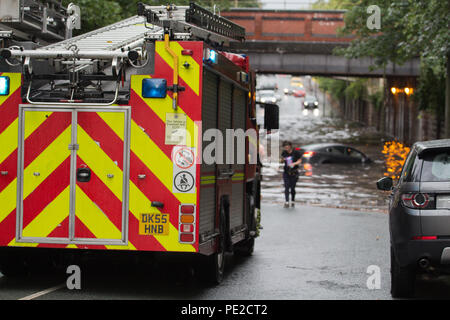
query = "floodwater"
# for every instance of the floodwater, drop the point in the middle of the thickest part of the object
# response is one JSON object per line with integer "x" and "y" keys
{"x": 351, "y": 186}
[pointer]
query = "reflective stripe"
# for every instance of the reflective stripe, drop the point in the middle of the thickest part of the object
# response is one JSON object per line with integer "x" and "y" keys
{"x": 14, "y": 84}
{"x": 163, "y": 106}
{"x": 100, "y": 163}
{"x": 189, "y": 75}
{"x": 50, "y": 217}
{"x": 46, "y": 162}
{"x": 96, "y": 221}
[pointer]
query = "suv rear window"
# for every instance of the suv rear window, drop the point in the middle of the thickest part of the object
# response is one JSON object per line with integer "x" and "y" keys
{"x": 411, "y": 169}
{"x": 436, "y": 166}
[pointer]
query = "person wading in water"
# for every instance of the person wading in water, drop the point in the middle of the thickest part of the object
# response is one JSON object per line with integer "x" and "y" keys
{"x": 291, "y": 159}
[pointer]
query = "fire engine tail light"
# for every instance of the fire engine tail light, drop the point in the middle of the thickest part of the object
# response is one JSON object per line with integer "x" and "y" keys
{"x": 187, "y": 52}
{"x": 186, "y": 238}
{"x": 185, "y": 218}
{"x": 4, "y": 86}
{"x": 186, "y": 223}
{"x": 187, "y": 209}
{"x": 188, "y": 228}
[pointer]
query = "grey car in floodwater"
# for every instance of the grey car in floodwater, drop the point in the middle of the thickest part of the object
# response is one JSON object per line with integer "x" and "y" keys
{"x": 321, "y": 153}
{"x": 419, "y": 215}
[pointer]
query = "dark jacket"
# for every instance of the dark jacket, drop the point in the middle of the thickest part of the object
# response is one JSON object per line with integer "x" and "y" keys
{"x": 290, "y": 158}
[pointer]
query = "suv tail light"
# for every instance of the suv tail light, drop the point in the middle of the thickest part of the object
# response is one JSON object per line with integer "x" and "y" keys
{"x": 419, "y": 200}
{"x": 424, "y": 238}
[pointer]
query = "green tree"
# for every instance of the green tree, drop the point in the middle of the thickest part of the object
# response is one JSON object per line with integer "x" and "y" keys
{"x": 409, "y": 28}
{"x": 99, "y": 13}
{"x": 96, "y": 14}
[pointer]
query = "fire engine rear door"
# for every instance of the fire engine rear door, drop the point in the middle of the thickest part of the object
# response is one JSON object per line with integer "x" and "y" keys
{"x": 101, "y": 186}
{"x": 44, "y": 175}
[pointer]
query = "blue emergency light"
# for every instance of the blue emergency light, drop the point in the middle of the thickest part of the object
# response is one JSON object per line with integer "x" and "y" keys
{"x": 4, "y": 86}
{"x": 154, "y": 88}
{"x": 211, "y": 56}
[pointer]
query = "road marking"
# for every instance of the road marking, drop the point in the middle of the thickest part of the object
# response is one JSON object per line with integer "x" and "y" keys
{"x": 41, "y": 293}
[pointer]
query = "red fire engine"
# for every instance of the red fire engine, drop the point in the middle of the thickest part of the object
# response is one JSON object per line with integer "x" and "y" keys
{"x": 101, "y": 142}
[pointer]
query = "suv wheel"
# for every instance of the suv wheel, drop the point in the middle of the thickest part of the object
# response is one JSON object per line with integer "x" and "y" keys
{"x": 402, "y": 279}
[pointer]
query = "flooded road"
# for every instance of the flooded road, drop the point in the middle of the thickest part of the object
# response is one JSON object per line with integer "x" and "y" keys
{"x": 351, "y": 186}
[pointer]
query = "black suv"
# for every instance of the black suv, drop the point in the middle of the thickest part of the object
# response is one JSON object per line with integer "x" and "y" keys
{"x": 419, "y": 215}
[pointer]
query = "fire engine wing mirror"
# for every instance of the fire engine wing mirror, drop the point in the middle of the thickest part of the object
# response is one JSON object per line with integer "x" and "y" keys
{"x": 271, "y": 116}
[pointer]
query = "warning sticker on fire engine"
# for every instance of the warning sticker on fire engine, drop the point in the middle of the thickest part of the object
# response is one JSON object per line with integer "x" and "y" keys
{"x": 184, "y": 169}
{"x": 184, "y": 158}
{"x": 183, "y": 181}
{"x": 154, "y": 224}
{"x": 175, "y": 129}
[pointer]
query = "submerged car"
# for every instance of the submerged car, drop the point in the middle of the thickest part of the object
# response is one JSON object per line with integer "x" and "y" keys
{"x": 310, "y": 102}
{"x": 321, "y": 153}
{"x": 419, "y": 215}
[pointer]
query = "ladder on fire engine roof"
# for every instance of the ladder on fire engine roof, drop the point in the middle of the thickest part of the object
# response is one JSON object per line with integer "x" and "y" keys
{"x": 127, "y": 40}
{"x": 193, "y": 20}
{"x": 118, "y": 41}
{"x": 114, "y": 41}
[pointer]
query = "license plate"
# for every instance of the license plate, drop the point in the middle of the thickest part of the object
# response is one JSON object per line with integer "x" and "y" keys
{"x": 443, "y": 201}
{"x": 154, "y": 224}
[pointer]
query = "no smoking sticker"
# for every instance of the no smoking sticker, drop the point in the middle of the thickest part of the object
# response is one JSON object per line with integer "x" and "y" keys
{"x": 184, "y": 158}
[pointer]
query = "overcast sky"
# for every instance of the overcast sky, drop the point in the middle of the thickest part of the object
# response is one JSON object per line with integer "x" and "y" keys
{"x": 287, "y": 4}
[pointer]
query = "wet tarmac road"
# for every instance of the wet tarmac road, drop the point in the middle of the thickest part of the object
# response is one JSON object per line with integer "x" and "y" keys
{"x": 303, "y": 253}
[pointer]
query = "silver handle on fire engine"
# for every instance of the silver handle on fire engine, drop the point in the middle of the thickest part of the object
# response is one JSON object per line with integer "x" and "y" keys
{"x": 72, "y": 103}
{"x": 16, "y": 52}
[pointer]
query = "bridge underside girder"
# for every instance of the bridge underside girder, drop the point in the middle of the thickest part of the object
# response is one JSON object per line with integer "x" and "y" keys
{"x": 317, "y": 59}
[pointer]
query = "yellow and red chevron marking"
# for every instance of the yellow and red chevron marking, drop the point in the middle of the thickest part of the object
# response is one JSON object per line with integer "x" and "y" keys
{"x": 149, "y": 153}
{"x": 46, "y": 198}
{"x": 9, "y": 126}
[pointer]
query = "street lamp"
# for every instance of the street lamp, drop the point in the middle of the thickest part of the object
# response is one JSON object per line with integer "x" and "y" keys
{"x": 408, "y": 91}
